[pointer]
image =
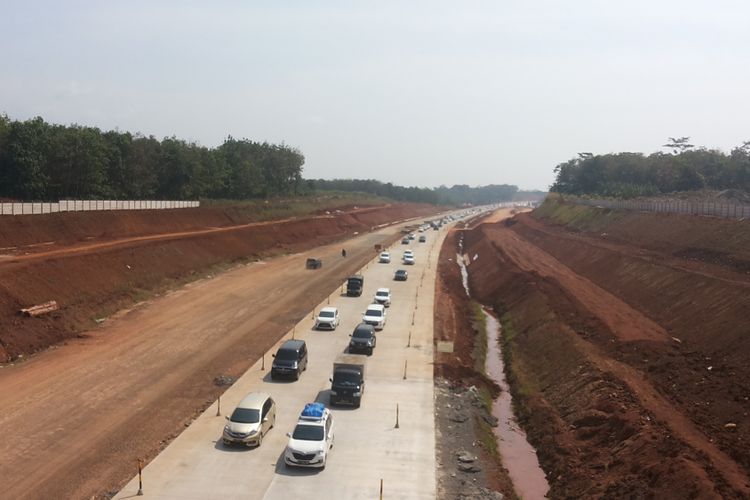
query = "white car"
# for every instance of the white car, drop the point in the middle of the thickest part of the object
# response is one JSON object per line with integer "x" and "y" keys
{"x": 409, "y": 260}
{"x": 385, "y": 258}
{"x": 383, "y": 297}
{"x": 328, "y": 318}
{"x": 375, "y": 316}
{"x": 408, "y": 253}
{"x": 312, "y": 438}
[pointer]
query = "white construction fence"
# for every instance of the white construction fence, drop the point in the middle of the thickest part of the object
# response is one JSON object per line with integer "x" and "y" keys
{"x": 44, "y": 207}
{"x": 716, "y": 209}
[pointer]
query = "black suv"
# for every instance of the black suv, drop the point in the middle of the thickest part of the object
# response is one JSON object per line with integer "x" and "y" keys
{"x": 290, "y": 360}
{"x": 363, "y": 339}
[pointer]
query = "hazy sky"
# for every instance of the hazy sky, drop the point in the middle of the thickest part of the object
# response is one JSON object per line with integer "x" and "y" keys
{"x": 412, "y": 92}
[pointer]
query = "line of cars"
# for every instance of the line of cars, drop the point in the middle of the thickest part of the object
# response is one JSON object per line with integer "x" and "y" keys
{"x": 313, "y": 435}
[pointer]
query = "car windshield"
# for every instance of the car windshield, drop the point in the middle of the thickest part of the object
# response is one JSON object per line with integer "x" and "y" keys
{"x": 345, "y": 378}
{"x": 401, "y": 273}
{"x": 382, "y": 294}
{"x": 326, "y": 314}
{"x": 373, "y": 312}
{"x": 362, "y": 334}
{"x": 308, "y": 433}
{"x": 286, "y": 354}
{"x": 245, "y": 416}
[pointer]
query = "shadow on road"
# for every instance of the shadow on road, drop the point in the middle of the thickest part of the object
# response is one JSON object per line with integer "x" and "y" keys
{"x": 284, "y": 470}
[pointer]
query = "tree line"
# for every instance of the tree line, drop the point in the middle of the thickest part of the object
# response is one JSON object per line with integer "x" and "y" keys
{"x": 627, "y": 175}
{"x": 42, "y": 161}
{"x": 458, "y": 194}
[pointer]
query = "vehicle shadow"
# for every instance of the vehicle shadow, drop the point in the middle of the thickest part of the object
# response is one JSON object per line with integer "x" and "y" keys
{"x": 219, "y": 445}
{"x": 283, "y": 470}
{"x": 324, "y": 397}
{"x": 279, "y": 380}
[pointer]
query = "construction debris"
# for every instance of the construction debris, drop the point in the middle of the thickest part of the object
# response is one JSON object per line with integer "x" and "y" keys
{"x": 40, "y": 309}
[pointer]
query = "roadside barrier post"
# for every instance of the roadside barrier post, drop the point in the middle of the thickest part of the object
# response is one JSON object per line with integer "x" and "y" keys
{"x": 294, "y": 330}
{"x": 140, "y": 477}
{"x": 405, "y": 362}
{"x": 381, "y": 489}
{"x": 408, "y": 343}
{"x": 263, "y": 362}
{"x": 396, "y": 416}
{"x": 218, "y": 407}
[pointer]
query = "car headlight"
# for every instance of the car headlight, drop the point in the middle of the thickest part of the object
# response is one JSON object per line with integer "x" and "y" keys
{"x": 334, "y": 393}
{"x": 226, "y": 428}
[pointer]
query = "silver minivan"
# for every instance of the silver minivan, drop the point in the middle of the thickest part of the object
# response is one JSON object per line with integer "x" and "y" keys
{"x": 251, "y": 420}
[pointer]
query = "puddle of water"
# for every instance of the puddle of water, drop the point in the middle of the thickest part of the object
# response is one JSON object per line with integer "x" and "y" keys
{"x": 519, "y": 457}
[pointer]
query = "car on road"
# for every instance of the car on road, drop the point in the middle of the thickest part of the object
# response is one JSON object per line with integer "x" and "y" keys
{"x": 290, "y": 360}
{"x": 375, "y": 315}
{"x": 409, "y": 260}
{"x": 405, "y": 240}
{"x": 401, "y": 275}
{"x": 328, "y": 318}
{"x": 348, "y": 381}
{"x": 312, "y": 438}
{"x": 411, "y": 236}
{"x": 423, "y": 239}
{"x": 313, "y": 263}
{"x": 354, "y": 285}
{"x": 363, "y": 339}
{"x": 385, "y": 258}
{"x": 383, "y": 297}
{"x": 250, "y": 421}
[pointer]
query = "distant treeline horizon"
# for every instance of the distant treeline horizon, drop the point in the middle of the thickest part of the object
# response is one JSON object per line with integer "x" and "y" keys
{"x": 627, "y": 175}
{"x": 43, "y": 161}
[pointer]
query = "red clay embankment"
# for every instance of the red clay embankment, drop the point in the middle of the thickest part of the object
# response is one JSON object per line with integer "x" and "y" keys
{"x": 626, "y": 337}
{"x": 94, "y": 263}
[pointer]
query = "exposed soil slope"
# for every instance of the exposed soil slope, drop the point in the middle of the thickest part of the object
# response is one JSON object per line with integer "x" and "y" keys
{"x": 629, "y": 358}
{"x": 97, "y": 263}
{"x": 76, "y": 417}
{"x": 462, "y": 417}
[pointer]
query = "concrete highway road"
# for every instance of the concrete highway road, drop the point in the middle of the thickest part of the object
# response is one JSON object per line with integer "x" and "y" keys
{"x": 76, "y": 417}
{"x": 368, "y": 446}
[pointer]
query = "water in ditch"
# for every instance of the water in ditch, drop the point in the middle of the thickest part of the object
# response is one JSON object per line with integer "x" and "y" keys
{"x": 518, "y": 456}
{"x": 464, "y": 273}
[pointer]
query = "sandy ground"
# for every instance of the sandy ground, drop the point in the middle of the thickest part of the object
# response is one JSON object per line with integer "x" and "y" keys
{"x": 75, "y": 418}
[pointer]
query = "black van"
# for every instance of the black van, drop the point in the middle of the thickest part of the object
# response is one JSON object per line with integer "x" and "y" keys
{"x": 354, "y": 285}
{"x": 290, "y": 360}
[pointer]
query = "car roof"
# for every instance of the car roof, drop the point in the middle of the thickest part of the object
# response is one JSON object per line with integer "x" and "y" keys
{"x": 402, "y": 271}
{"x": 329, "y": 309}
{"x": 377, "y": 307}
{"x": 292, "y": 344}
{"x": 383, "y": 290}
{"x": 254, "y": 400}
{"x": 364, "y": 326}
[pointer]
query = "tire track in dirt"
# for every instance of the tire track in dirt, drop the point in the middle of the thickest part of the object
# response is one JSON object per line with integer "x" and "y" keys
{"x": 86, "y": 248}
{"x": 624, "y": 321}
{"x": 617, "y": 314}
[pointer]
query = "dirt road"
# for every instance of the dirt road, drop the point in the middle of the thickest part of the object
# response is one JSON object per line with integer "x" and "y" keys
{"x": 75, "y": 418}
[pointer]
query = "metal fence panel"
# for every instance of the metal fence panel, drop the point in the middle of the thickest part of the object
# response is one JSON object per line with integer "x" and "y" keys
{"x": 724, "y": 210}
{"x": 48, "y": 207}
